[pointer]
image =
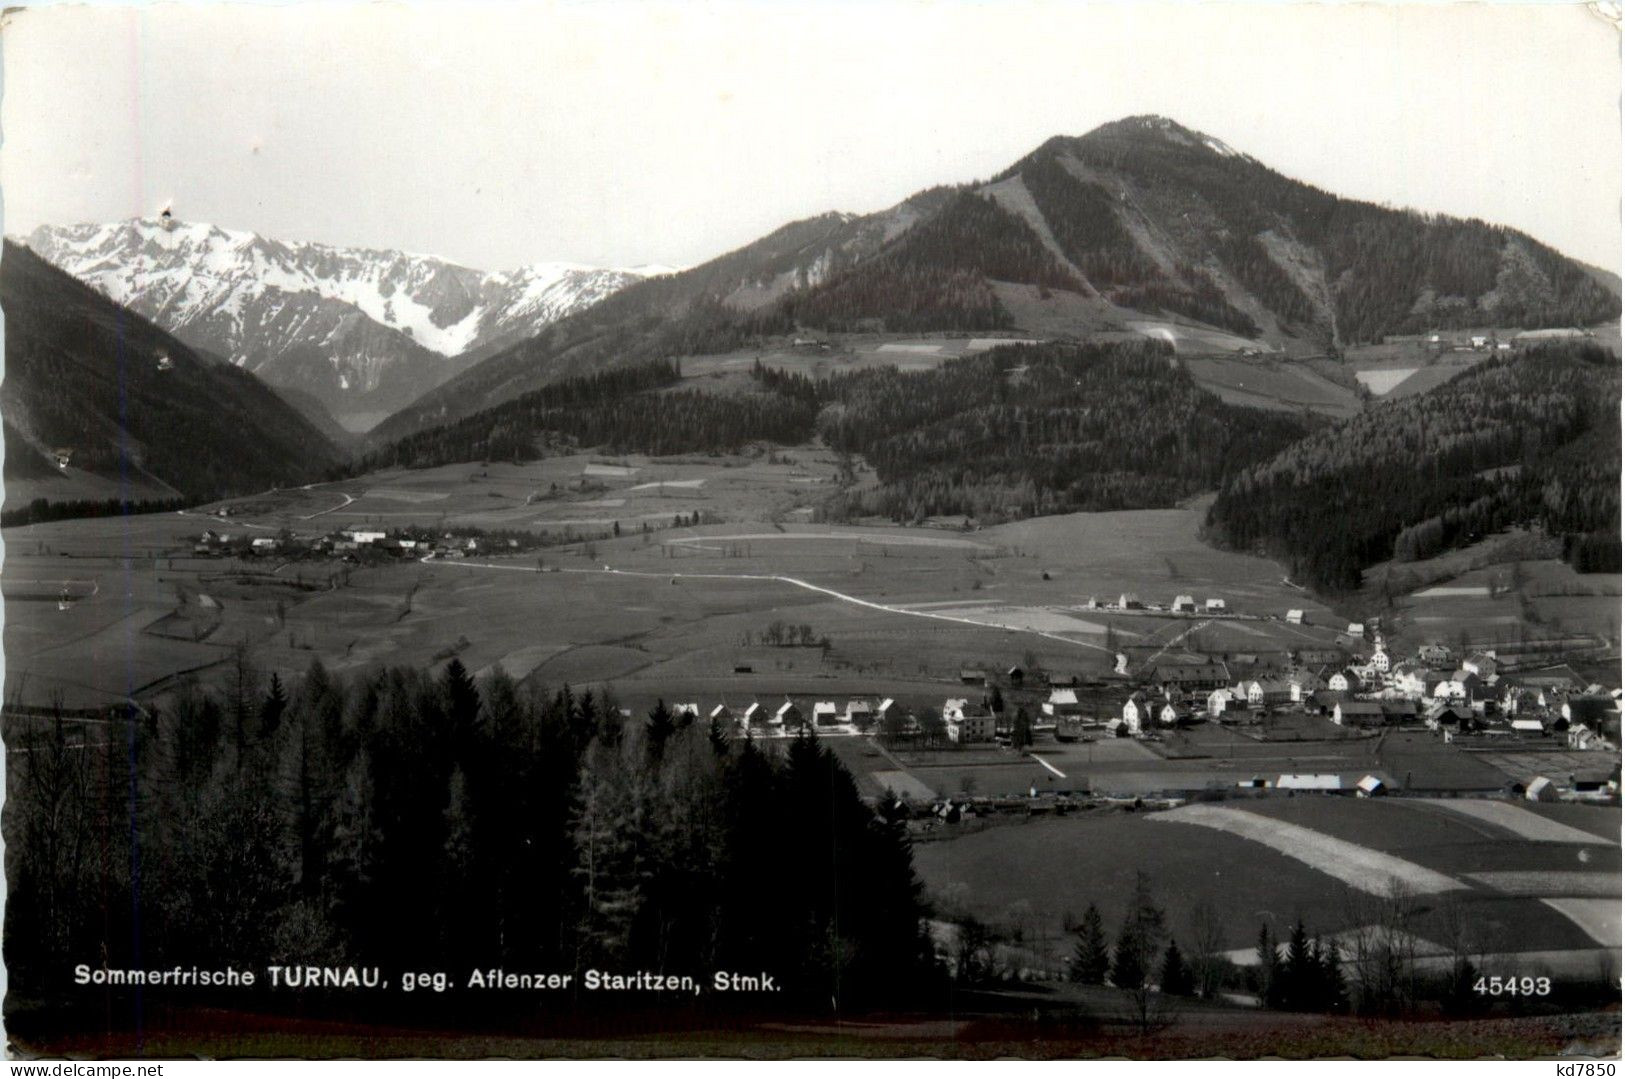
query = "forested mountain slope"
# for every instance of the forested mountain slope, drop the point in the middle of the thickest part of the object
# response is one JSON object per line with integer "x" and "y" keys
{"x": 1015, "y": 432}
{"x": 128, "y": 401}
{"x": 1529, "y": 439}
{"x": 1139, "y": 219}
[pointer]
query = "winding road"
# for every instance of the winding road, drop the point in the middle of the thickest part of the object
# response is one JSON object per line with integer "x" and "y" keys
{"x": 781, "y": 579}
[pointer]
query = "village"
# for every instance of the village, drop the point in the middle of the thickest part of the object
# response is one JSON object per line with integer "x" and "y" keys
{"x": 1471, "y": 724}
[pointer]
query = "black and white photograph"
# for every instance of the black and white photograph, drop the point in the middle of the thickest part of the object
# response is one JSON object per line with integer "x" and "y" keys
{"x": 966, "y": 531}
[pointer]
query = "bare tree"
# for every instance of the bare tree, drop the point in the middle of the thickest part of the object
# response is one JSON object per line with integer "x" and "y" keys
{"x": 1207, "y": 937}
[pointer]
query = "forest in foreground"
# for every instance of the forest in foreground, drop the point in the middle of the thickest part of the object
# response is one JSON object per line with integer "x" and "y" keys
{"x": 420, "y": 823}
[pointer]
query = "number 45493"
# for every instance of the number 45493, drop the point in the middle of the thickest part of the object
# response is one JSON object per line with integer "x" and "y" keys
{"x": 1512, "y": 987}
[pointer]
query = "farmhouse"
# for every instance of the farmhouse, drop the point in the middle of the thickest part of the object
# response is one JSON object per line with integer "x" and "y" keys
{"x": 755, "y": 715}
{"x": 1219, "y": 701}
{"x": 1434, "y": 654}
{"x": 859, "y": 713}
{"x": 1356, "y": 630}
{"x": 1184, "y": 604}
{"x": 1214, "y": 606}
{"x": 1129, "y": 601}
{"x": 1379, "y": 660}
{"x": 1295, "y": 617}
{"x": 1186, "y": 677}
{"x": 966, "y": 727}
{"x": 1301, "y": 685}
{"x": 1171, "y": 715}
{"x": 261, "y": 544}
{"x": 691, "y": 710}
{"x": 1359, "y": 714}
{"x": 1137, "y": 712}
{"x": 972, "y": 677}
{"x": 722, "y": 715}
{"x": 1063, "y": 702}
{"x": 1483, "y": 664}
{"x": 1345, "y": 681}
{"x": 788, "y": 716}
{"x": 1323, "y": 701}
{"x": 363, "y": 536}
{"x": 825, "y": 714}
{"x": 1262, "y": 694}
{"x": 887, "y": 711}
{"x": 1369, "y": 787}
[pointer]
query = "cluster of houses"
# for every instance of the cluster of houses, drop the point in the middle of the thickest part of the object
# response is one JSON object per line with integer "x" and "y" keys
{"x": 349, "y": 544}
{"x": 788, "y": 717}
{"x": 1182, "y": 604}
{"x": 1473, "y": 698}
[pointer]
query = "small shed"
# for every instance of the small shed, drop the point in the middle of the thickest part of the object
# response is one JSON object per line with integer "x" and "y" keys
{"x": 1295, "y": 617}
{"x": 1370, "y": 787}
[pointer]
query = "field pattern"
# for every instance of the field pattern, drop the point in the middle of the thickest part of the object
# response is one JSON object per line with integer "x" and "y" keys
{"x": 1519, "y": 821}
{"x": 1358, "y": 867}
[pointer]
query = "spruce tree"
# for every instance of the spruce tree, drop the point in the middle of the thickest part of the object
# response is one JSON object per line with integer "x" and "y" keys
{"x": 1176, "y": 976}
{"x": 1091, "y": 959}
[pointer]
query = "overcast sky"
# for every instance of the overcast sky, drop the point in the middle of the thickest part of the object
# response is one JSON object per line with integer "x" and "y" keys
{"x": 623, "y": 133}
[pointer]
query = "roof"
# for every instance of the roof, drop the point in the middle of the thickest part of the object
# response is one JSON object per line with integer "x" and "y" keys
{"x": 1323, "y": 782}
{"x": 1190, "y": 672}
{"x": 786, "y": 708}
{"x": 857, "y": 706}
{"x": 1362, "y": 708}
{"x": 1063, "y": 696}
{"x": 1370, "y": 783}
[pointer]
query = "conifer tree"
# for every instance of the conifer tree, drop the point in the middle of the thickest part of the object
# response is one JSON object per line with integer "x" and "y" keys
{"x": 1091, "y": 960}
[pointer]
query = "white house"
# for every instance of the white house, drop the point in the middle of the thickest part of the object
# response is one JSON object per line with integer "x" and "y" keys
{"x": 363, "y": 536}
{"x": 1450, "y": 691}
{"x": 1063, "y": 702}
{"x": 1483, "y": 664}
{"x": 264, "y": 543}
{"x": 1129, "y": 601}
{"x": 1302, "y": 685}
{"x": 1369, "y": 787}
{"x": 825, "y": 714}
{"x": 859, "y": 712}
{"x": 1170, "y": 715}
{"x": 1295, "y": 617}
{"x": 690, "y": 709}
{"x": 1379, "y": 660}
{"x": 1262, "y": 693}
{"x": 1356, "y": 629}
{"x": 966, "y": 725}
{"x": 1344, "y": 681}
{"x": 1214, "y": 606}
{"x": 1185, "y": 604}
{"x": 1219, "y": 701}
{"x": 1137, "y": 713}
